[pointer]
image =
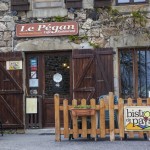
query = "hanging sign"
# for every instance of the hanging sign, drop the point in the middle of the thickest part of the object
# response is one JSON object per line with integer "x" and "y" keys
{"x": 13, "y": 65}
{"x": 137, "y": 118}
{"x": 31, "y": 105}
{"x": 47, "y": 29}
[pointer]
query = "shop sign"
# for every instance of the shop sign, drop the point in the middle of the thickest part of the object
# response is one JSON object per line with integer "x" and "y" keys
{"x": 13, "y": 65}
{"x": 137, "y": 118}
{"x": 47, "y": 29}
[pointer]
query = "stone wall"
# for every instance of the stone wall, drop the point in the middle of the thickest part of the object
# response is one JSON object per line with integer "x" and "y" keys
{"x": 7, "y": 25}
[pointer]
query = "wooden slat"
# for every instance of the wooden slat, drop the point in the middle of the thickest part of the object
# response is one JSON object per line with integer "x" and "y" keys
{"x": 107, "y": 131}
{"x": 40, "y": 112}
{"x": 102, "y": 119}
{"x": 121, "y": 118}
{"x": 66, "y": 124}
{"x": 148, "y": 104}
{"x": 139, "y": 103}
{"x": 80, "y": 79}
{"x": 93, "y": 119}
{"x": 75, "y": 122}
{"x": 57, "y": 118}
{"x": 84, "y": 122}
{"x": 102, "y": 71}
{"x": 8, "y": 107}
{"x": 130, "y": 103}
{"x": 111, "y": 116}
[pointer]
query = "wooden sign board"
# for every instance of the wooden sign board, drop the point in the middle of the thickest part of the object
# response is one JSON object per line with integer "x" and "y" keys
{"x": 137, "y": 118}
{"x": 47, "y": 29}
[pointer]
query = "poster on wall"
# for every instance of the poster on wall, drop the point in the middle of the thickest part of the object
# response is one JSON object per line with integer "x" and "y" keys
{"x": 13, "y": 65}
{"x": 137, "y": 118}
{"x": 33, "y": 64}
{"x": 31, "y": 105}
{"x": 33, "y": 74}
{"x": 33, "y": 82}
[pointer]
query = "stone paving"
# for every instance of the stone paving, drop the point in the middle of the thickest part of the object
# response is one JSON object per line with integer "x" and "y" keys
{"x": 33, "y": 140}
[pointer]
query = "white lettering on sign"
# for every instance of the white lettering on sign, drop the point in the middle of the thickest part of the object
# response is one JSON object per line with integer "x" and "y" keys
{"x": 47, "y": 29}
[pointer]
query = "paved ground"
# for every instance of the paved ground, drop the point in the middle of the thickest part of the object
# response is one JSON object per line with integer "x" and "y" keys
{"x": 33, "y": 140}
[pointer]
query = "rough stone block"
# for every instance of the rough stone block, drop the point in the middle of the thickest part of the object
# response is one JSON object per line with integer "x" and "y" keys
{"x": 7, "y": 19}
{"x": 5, "y": 49}
{"x": 93, "y": 32}
{"x": 3, "y": 6}
{"x": 2, "y": 44}
{"x": 7, "y": 36}
{"x": 87, "y": 24}
{"x": 10, "y": 26}
{"x": 9, "y": 43}
{"x": 2, "y": 26}
{"x": 1, "y": 35}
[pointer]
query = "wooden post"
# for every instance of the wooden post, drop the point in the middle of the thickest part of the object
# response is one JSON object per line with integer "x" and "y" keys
{"x": 130, "y": 103}
{"x": 57, "y": 118}
{"x": 139, "y": 103}
{"x": 121, "y": 118}
{"x": 75, "y": 122}
{"x": 66, "y": 124}
{"x": 93, "y": 120}
{"x": 148, "y": 104}
{"x": 102, "y": 119}
{"x": 84, "y": 121}
{"x": 111, "y": 116}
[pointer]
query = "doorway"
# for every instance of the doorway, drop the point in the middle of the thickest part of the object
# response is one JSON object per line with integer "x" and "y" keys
{"x": 48, "y": 74}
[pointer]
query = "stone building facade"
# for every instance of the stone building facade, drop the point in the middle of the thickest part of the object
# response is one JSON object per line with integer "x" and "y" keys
{"x": 100, "y": 27}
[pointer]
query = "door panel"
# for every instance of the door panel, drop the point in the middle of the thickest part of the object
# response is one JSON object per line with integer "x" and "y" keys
{"x": 53, "y": 73}
{"x": 95, "y": 76}
{"x": 11, "y": 91}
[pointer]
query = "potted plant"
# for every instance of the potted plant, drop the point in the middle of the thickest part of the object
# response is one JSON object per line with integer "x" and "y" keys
{"x": 82, "y": 110}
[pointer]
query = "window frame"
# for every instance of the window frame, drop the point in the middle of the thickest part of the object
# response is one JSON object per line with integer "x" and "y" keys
{"x": 131, "y": 2}
{"x": 134, "y": 52}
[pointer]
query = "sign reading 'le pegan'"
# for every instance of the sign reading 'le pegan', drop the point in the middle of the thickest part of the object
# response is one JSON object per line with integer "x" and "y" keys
{"x": 47, "y": 29}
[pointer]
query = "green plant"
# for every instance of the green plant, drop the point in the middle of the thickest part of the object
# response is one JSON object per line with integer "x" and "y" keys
{"x": 59, "y": 19}
{"x": 139, "y": 17}
{"x": 113, "y": 12}
{"x": 83, "y": 106}
{"x": 94, "y": 45}
{"x": 77, "y": 39}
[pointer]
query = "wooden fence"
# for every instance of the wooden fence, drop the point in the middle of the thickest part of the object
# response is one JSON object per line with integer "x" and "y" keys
{"x": 71, "y": 125}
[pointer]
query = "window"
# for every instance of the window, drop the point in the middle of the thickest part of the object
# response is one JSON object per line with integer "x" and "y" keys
{"x": 134, "y": 73}
{"x": 130, "y": 1}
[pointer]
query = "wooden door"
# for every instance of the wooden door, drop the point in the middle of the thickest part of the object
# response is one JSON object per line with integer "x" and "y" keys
{"x": 53, "y": 74}
{"x": 92, "y": 73}
{"x": 57, "y": 79}
{"x": 11, "y": 92}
